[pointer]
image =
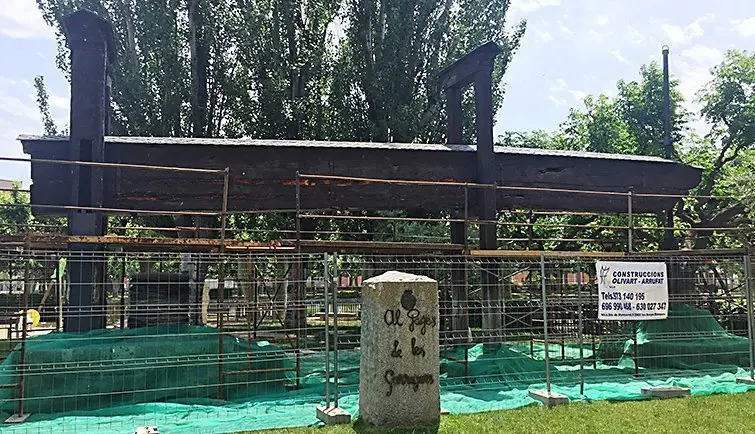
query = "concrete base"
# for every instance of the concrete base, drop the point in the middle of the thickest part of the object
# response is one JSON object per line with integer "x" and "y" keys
{"x": 443, "y": 411}
{"x": 333, "y": 415}
{"x": 746, "y": 380}
{"x": 18, "y": 418}
{"x": 666, "y": 392}
{"x": 549, "y": 399}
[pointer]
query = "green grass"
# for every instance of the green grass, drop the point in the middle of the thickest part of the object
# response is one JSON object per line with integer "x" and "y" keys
{"x": 704, "y": 414}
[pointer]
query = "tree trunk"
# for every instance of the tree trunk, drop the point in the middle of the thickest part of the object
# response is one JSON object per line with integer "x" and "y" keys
{"x": 199, "y": 62}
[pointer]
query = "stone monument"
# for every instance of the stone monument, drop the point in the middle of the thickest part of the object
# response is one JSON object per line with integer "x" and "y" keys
{"x": 399, "y": 366}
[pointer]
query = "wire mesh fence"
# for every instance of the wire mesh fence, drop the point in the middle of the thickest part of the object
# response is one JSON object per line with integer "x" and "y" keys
{"x": 170, "y": 332}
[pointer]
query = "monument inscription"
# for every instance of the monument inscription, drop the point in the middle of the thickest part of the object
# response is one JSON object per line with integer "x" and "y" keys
{"x": 417, "y": 322}
{"x": 400, "y": 356}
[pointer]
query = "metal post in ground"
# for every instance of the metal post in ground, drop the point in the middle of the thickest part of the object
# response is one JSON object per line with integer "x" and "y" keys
{"x": 221, "y": 280}
{"x": 299, "y": 277}
{"x": 62, "y": 295}
{"x": 255, "y": 297}
{"x": 466, "y": 218}
{"x": 581, "y": 333}
{"x": 630, "y": 226}
{"x": 220, "y": 323}
{"x": 634, "y": 344}
{"x": 19, "y": 416}
{"x": 750, "y": 322}
{"x": 332, "y": 415}
{"x": 545, "y": 325}
{"x": 547, "y": 397}
{"x": 327, "y": 282}
{"x": 123, "y": 292}
{"x": 335, "y": 334}
{"x": 58, "y": 297}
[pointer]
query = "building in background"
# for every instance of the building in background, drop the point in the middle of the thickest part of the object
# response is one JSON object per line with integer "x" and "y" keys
{"x": 6, "y": 184}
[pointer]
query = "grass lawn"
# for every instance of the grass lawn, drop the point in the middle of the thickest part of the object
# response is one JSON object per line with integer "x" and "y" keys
{"x": 704, "y": 414}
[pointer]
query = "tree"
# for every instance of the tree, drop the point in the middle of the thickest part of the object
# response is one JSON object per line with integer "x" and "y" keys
{"x": 15, "y": 215}
{"x": 631, "y": 122}
{"x": 43, "y": 102}
{"x": 729, "y": 108}
{"x": 394, "y": 50}
{"x": 641, "y": 107}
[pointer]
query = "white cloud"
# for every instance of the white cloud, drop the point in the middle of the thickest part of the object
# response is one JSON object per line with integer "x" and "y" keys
{"x": 12, "y": 107}
{"x": 634, "y": 36}
{"x": 558, "y": 85}
{"x": 597, "y": 36}
{"x": 695, "y": 28}
{"x": 678, "y": 36}
{"x": 675, "y": 34}
{"x": 533, "y": 5}
{"x": 545, "y": 36}
{"x": 557, "y": 101}
{"x": 619, "y": 57}
{"x": 745, "y": 28}
{"x": 565, "y": 29}
{"x": 59, "y": 102}
{"x": 20, "y": 19}
{"x": 578, "y": 94}
{"x": 703, "y": 55}
{"x": 19, "y": 114}
{"x": 602, "y": 20}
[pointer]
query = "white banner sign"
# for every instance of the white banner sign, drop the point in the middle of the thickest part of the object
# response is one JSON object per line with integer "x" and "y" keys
{"x": 632, "y": 290}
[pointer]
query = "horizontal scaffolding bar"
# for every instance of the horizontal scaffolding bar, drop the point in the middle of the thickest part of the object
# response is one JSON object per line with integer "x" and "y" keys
{"x": 113, "y": 165}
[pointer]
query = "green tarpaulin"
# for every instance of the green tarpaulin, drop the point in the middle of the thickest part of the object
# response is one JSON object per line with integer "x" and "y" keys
{"x": 116, "y": 380}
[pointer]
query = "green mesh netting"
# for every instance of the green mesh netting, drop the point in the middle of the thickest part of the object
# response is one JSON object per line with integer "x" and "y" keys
{"x": 177, "y": 368}
{"x": 690, "y": 338}
{"x": 103, "y": 368}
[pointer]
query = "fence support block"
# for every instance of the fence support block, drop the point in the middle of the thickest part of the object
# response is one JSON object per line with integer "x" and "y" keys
{"x": 548, "y": 398}
{"x": 665, "y": 392}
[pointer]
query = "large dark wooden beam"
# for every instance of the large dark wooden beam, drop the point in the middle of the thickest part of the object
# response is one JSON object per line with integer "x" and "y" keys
{"x": 462, "y": 72}
{"x": 262, "y": 175}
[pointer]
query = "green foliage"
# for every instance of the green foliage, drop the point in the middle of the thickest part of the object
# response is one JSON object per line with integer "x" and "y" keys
{"x": 15, "y": 215}
{"x": 43, "y": 101}
{"x": 288, "y": 68}
{"x": 641, "y": 107}
{"x": 631, "y": 122}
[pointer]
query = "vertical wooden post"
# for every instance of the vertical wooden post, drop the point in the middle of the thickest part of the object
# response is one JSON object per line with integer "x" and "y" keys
{"x": 476, "y": 69}
{"x": 459, "y": 290}
{"x": 90, "y": 40}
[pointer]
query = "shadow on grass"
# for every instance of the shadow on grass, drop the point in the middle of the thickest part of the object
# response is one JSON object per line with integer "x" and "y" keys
{"x": 362, "y": 427}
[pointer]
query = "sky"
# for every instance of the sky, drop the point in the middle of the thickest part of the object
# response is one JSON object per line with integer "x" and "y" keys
{"x": 572, "y": 48}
